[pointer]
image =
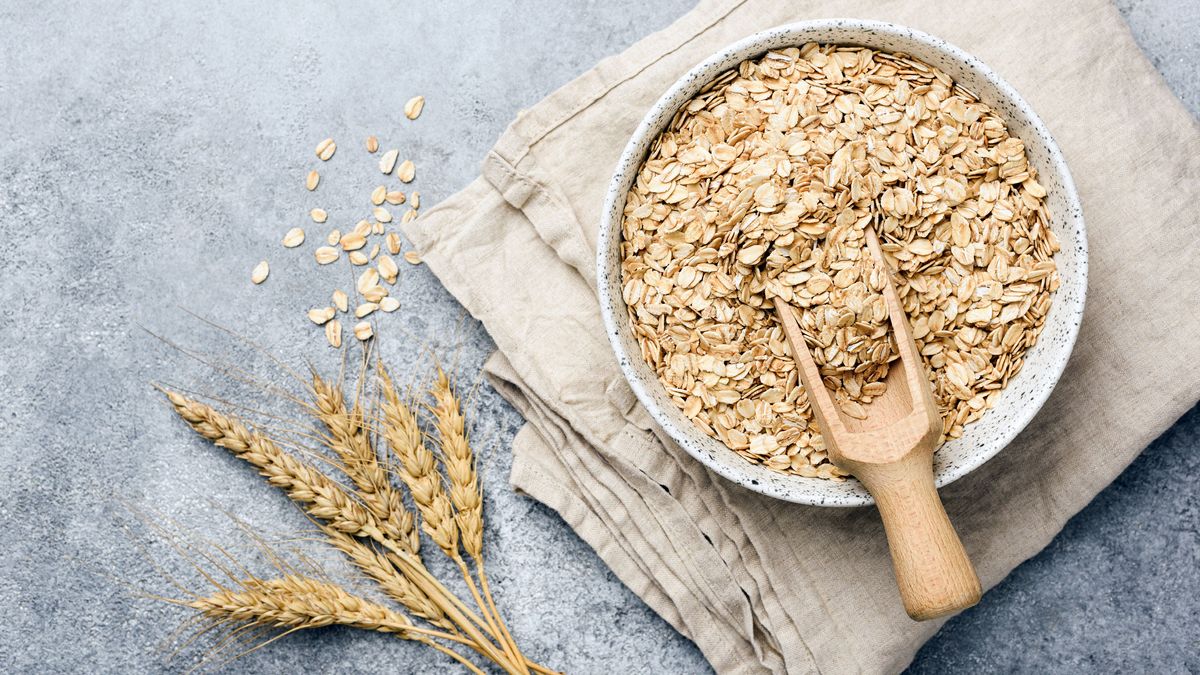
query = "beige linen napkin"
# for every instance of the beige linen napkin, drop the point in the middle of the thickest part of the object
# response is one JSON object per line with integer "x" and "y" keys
{"x": 761, "y": 585}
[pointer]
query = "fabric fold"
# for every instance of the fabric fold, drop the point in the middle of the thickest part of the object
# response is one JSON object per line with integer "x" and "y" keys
{"x": 664, "y": 545}
{"x": 761, "y": 585}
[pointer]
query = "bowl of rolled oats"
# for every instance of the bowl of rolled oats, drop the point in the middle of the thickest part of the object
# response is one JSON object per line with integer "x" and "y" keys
{"x": 754, "y": 176}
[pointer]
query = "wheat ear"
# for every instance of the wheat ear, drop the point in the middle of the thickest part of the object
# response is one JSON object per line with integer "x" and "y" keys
{"x": 323, "y": 499}
{"x": 378, "y": 567}
{"x": 295, "y": 602}
{"x": 314, "y": 491}
{"x": 465, "y": 493}
{"x": 351, "y": 441}
{"x": 420, "y": 474}
{"x": 418, "y": 468}
{"x": 459, "y": 461}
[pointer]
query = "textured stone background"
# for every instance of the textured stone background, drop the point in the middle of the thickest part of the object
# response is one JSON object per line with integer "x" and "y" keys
{"x": 149, "y": 158}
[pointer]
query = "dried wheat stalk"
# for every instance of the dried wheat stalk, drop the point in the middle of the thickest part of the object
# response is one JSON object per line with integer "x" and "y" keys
{"x": 372, "y": 510}
{"x": 349, "y": 438}
{"x": 419, "y": 469}
{"x": 324, "y": 499}
{"x": 314, "y": 491}
{"x": 459, "y": 460}
{"x": 300, "y": 602}
{"x": 460, "y": 466}
{"x": 379, "y": 568}
{"x": 293, "y": 602}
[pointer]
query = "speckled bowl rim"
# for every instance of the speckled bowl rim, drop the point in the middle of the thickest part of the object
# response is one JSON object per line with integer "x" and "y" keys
{"x": 730, "y": 465}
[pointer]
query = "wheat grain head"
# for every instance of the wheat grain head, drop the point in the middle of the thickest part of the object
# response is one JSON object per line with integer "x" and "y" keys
{"x": 314, "y": 491}
{"x": 377, "y": 566}
{"x": 459, "y": 460}
{"x": 299, "y": 602}
{"x": 418, "y": 467}
{"x": 351, "y": 441}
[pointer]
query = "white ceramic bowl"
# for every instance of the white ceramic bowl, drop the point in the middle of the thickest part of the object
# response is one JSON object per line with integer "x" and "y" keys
{"x": 1043, "y": 364}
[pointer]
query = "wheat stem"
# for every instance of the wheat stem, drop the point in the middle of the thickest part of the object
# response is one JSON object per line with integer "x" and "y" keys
{"x": 450, "y": 604}
{"x": 403, "y": 435}
{"x": 459, "y": 461}
{"x": 483, "y": 607}
{"x": 374, "y": 510}
{"x": 487, "y": 593}
{"x": 454, "y": 655}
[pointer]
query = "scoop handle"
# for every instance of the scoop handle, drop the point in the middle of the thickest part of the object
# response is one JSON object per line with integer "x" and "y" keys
{"x": 933, "y": 572}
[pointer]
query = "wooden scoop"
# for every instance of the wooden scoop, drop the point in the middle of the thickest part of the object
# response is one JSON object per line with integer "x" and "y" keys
{"x": 891, "y": 452}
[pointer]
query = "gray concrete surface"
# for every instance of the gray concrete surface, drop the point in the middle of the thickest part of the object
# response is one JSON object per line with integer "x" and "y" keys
{"x": 150, "y": 157}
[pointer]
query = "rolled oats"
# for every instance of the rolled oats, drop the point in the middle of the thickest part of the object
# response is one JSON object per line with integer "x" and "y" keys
{"x": 363, "y": 331}
{"x": 293, "y": 238}
{"x": 407, "y": 171}
{"x": 325, "y": 149}
{"x": 762, "y": 186}
{"x": 388, "y": 161}
{"x": 412, "y": 109}
{"x": 260, "y": 272}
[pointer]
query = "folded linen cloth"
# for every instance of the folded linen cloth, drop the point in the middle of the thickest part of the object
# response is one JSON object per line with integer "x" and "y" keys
{"x": 762, "y": 585}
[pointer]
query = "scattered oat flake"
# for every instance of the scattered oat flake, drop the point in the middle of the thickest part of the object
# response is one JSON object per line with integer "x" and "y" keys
{"x": 378, "y": 195}
{"x": 388, "y": 161}
{"x": 382, "y": 215}
{"x": 293, "y": 238}
{"x": 353, "y": 241}
{"x": 387, "y": 268}
{"x": 372, "y": 144}
{"x": 365, "y": 309}
{"x": 321, "y": 315}
{"x": 326, "y": 255}
{"x": 412, "y": 257}
{"x": 389, "y": 304}
{"x": 261, "y": 270}
{"x": 311, "y": 180}
{"x": 395, "y": 197}
{"x": 363, "y": 331}
{"x": 393, "y": 243}
{"x": 362, "y": 227}
{"x": 325, "y": 149}
{"x": 375, "y": 293}
{"x": 334, "y": 237}
{"x": 367, "y": 279}
{"x": 333, "y": 333}
{"x": 376, "y": 228}
{"x": 340, "y": 300}
{"x": 358, "y": 258}
{"x": 412, "y": 109}
{"x": 374, "y": 252}
{"x": 319, "y": 215}
{"x": 409, "y": 216}
{"x": 416, "y": 200}
{"x": 407, "y": 171}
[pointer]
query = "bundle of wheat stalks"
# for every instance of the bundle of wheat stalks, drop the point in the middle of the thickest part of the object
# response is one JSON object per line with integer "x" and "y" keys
{"x": 370, "y": 522}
